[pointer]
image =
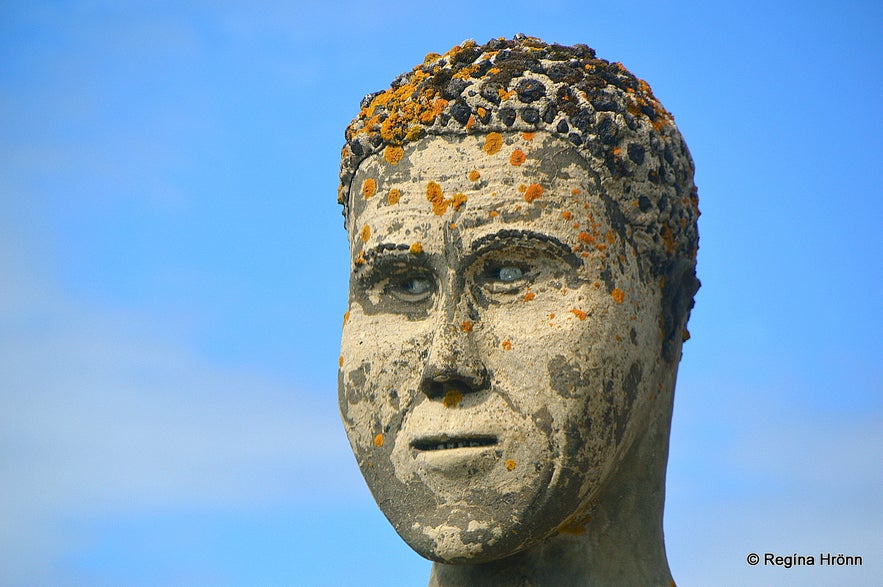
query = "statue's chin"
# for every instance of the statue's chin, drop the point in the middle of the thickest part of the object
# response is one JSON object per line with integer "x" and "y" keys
{"x": 495, "y": 528}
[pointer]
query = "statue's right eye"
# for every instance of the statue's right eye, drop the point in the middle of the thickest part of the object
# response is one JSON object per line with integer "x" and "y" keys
{"x": 411, "y": 288}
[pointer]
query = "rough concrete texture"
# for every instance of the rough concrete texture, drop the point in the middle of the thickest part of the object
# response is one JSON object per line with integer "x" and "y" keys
{"x": 515, "y": 320}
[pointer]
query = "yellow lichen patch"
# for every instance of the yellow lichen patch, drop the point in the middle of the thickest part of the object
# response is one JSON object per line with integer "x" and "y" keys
{"x": 482, "y": 112}
{"x": 533, "y": 192}
{"x": 457, "y": 201}
{"x": 507, "y": 345}
{"x": 611, "y": 237}
{"x": 415, "y": 248}
{"x": 493, "y": 213}
{"x": 393, "y": 196}
{"x": 575, "y": 527}
{"x": 378, "y": 440}
{"x": 528, "y": 136}
{"x": 567, "y": 215}
{"x": 439, "y": 106}
{"x": 474, "y": 175}
{"x": 340, "y": 360}
{"x": 522, "y": 188}
{"x": 369, "y": 187}
{"x": 431, "y": 58}
{"x": 493, "y": 143}
{"x": 466, "y": 326}
{"x": 578, "y": 313}
{"x": 510, "y": 465}
{"x": 529, "y": 296}
{"x": 452, "y": 398}
{"x": 668, "y": 240}
{"x": 618, "y": 295}
{"x": 360, "y": 259}
{"x": 597, "y": 285}
{"x": 504, "y": 95}
{"x": 365, "y": 233}
{"x": 346, "y": 317}
{"x": 436, "y": 198}
{"x": 393, "y": 154}
{"x": 517, "y": 157}
{"x": 585, "y": 237}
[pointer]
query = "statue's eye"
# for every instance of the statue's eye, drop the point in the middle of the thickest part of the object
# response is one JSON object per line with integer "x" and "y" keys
{"x": 412, "y": 288}
{"x": 509, "y": 274}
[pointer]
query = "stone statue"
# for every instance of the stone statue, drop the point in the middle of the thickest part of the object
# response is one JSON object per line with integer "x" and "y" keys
{"x": 522, "y": 227}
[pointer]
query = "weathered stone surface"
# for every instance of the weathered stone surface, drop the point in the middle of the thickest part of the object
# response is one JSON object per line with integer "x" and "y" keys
{"x": 518, "y": 298}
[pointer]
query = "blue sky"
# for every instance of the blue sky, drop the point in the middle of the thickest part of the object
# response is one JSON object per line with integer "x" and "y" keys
{"x": 174, "y": 274}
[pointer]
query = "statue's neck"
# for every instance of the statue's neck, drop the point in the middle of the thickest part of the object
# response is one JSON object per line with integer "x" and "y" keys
{"x": 622, "y": 544}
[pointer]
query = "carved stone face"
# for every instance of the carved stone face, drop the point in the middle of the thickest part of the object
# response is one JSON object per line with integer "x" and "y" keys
{"x": 501, "y": 348}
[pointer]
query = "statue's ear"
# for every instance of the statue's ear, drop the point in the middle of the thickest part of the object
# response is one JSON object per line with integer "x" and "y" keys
{"x": 681, "y": 284}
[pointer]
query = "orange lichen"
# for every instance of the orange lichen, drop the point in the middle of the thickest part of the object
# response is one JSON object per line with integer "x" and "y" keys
{"x": 533, "y": 192}
{"x": 585, "y": 237}
{"x": 575, "y": 191}
{"x": 510, "y": 465}
{"x": 517, "y": 157}
{"x": 474, "y": 175}
{"x": 415, "y": 248}
{"x": 340, "y": 360}
{"x": 346, "y": 317}
{"x": 378, "y": 440}
{"x": 482, "y": 112}
{"x": 611, "y": 237}
{"x": 493, "y": 143}
{"x": 576, "y": 224}
{"x": 393, "y": 196}
{"x": 529, "y": 296}
{"x": 618, "y": 295}
{"x": 393, "y": 154}
{"x": 452, "y": 398}
{"x": 567, "y": 215}
{"x": 369, "y": 187}
{"x": 507, "y": 345}
{"x": 470, "y": 123}
{"x": 365, "y": 233}
{"x": 597, "y": 285}
{"x": 504, "y": 95}
{"x": 528, "y": 136}
{"x": 436, "y": 198}
{"x": 431, "y": 58}
{"x": 522, "y": 188}
{"x": 360, "y": 259}
{"x": 457, "y": 201}
{"x": 551, "y": 315}
{"x": 466, "y": 326}
{"x": 685, "y": 335}
{"x": 493, "y": 213}
{"x": 617, "y": 151}
{"x": 578, "y": 313}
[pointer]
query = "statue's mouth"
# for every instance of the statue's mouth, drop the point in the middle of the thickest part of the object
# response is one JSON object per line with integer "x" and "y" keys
{"x": 445, "y": 442}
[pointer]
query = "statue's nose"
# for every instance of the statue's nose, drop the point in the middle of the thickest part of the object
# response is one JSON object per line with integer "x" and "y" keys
{"x": 453, "y": 361}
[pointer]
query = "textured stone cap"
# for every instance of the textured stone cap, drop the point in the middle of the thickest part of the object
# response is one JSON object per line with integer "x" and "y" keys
{"x": 523, "y": 84}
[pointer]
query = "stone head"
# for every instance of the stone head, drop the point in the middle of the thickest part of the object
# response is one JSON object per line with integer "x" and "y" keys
{"x": 522, "y": 230}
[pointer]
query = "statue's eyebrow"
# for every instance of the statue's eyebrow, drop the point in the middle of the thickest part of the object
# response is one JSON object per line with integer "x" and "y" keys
{"x": 513, "y": 236}
{"x": 386, "y": 257}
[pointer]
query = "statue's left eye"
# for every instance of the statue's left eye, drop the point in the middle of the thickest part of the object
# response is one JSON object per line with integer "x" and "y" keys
{"x": 509, "y": 273}
{"x": 416, "y": 286}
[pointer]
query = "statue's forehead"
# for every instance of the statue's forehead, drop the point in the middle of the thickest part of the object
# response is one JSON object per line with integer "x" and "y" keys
{"x": 442, "y": 172}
